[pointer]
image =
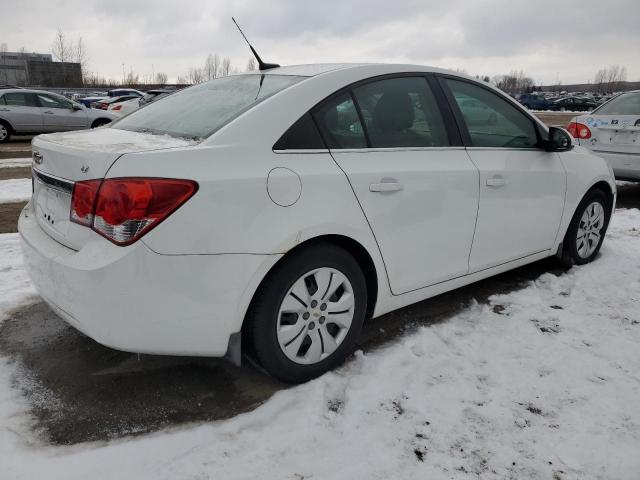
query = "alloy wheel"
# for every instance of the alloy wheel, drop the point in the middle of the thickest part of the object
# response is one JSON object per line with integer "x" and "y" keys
{"x": 3, "y": 132}
{"x": 315, "y": 315}
{"x": 590, "y": 229}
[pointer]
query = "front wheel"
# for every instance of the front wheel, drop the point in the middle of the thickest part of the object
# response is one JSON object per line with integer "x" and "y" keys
{"x": 587, "y": 229}
{"x": 308, "y": 313}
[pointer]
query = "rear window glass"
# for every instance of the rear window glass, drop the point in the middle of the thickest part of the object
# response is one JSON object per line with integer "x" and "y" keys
{"x": 624, "y": 104}
{"x": 201, "y": 110}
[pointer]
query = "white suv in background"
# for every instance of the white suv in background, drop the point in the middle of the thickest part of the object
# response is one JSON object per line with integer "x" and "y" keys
{"x": 279, "y": 209}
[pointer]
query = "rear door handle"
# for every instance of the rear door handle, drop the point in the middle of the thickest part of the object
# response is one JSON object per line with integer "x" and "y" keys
{"x": 496, "y": 182}
{"x": 386, "y": 185}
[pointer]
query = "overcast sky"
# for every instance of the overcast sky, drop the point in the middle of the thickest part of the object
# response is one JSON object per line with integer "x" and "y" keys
{"x": 547, "y": 39}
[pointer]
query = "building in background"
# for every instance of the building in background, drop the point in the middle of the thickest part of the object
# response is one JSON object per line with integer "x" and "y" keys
{"x": 38, "y": 70}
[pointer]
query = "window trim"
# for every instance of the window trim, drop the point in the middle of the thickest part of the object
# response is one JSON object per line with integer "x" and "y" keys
{"x": 541, "y": 133}
{"x": 451, "y": 127}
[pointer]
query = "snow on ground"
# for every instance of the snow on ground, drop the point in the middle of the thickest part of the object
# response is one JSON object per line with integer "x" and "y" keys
{"x": 541, "y": 383}
{"x": 15, "y": 190}
{"x": 15, "y": 162}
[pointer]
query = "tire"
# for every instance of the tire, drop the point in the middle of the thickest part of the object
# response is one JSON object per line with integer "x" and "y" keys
{"x": 5, "y": 132}
{"x": 100, "y": 122}
{"x": 592, "y": 212}
{"x": 293, "y": 338}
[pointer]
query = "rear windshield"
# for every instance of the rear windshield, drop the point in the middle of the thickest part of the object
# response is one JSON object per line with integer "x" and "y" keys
{"x": 624, "y": 104}
{"x": 198, "y": 111}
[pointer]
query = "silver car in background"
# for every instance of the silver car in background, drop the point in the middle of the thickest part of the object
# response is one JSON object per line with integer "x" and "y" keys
{"x": 30, "y": 112}
{"x": 612, "y": 131}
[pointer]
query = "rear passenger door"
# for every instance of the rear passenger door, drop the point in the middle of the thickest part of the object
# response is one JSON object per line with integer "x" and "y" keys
{"x": 418, "y": 189}
{"x": 522, "y": 186}
{"x": 22, "y": 111}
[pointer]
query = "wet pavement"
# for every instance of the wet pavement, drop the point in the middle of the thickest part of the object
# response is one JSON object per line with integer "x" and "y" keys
{"x": 79, "y": 390}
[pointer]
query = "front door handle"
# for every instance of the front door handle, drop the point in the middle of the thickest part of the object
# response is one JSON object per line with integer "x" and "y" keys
{"x": 386, "y": 185}
{"x": 49, "y": 112}
{"x": 496, "y": 182}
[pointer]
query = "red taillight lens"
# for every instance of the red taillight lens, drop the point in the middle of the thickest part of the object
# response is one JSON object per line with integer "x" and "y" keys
{"x": 124, "y": 209}
{"x": 579, "y": 130}
{"x": 83, "y": 200}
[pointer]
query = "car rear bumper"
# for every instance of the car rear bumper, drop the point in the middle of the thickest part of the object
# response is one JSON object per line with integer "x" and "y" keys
{"x": 626, "y": 166}
{"x": 133, "y": 299}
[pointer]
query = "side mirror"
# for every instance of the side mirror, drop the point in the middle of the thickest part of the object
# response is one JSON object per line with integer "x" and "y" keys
{"x": 559, "y": 140}
{"x": 76, "y": 106}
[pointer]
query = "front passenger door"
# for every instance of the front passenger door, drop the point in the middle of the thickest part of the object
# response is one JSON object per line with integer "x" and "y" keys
{"x": 59, "y": 115}
{"x": 522, "y": 186}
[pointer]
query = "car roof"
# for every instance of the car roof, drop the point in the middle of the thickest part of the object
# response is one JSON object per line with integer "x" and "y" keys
{"x": 312, "y": 70}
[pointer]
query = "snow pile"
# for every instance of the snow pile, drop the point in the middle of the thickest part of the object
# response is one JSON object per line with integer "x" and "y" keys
{"x": 543, "y": 382}
{"x": 15, "y": 190}
{"x": 114, "y": 140}
{"x": 15, "y": 162}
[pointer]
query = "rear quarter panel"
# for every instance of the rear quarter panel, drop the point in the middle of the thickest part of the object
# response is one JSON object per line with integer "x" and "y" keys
{"x": 584, "y": 170}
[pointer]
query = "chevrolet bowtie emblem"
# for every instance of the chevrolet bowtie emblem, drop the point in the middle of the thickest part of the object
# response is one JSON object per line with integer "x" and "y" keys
{"x": 84, "y": 168}
{"x": 37, "y": 158}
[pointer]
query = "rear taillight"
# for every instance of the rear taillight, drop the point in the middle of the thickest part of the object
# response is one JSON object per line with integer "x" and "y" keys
{"x": 83, "y": 200}
{"x": 579, "y": 130}
{"x": 124, "y": 209}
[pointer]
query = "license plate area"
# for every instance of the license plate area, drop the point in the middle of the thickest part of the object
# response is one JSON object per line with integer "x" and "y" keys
{"x": 622, "y": 137}
{"x": 52, "y": 202}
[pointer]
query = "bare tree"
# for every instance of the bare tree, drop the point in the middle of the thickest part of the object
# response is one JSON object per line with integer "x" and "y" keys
{"x": 196, "y": 75}
{"x": 3, "y": 50}
{"x": 251, "y": 64}
{"x": 161, "y": 78}
{"x": 80, "y": 56}
{"x": 62, "y": 49}
{"x": 514, "y": 82}
{"x": 181, "y": 80}
{"x": 608, "y": 80}
{"x": 226, "y": 67}
{"x": 211, "y": 67}
{"x": 132, "y": 79}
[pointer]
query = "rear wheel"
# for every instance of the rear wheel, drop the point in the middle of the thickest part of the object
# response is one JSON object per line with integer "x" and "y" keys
{"x": 5, "y": 132}
{"x": 587, "y": 229}
{"x": 308, "y": 313}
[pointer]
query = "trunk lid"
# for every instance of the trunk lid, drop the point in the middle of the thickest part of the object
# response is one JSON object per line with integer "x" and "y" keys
{"x": 612, "y": 133}
{"x": 61, "y": 159}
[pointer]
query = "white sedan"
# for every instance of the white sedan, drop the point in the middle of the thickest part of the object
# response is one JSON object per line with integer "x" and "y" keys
{"x": 278, "y": 210}
{"x": 612, "y": 131}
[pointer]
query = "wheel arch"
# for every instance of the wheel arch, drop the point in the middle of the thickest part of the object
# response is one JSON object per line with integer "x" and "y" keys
{"x": 8, "y": 123}
{"x": 355, "y": 248}
{"x": 100, "y": 121}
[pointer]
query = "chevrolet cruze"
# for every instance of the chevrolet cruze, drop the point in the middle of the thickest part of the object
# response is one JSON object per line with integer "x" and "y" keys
{"x": 276, "y": 211}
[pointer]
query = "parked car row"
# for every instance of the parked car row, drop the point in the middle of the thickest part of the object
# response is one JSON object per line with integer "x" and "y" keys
{"x": 30, "y": 112}
{"x": 571, "y": 103}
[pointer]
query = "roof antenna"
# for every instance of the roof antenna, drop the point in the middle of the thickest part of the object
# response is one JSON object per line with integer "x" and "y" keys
{"x": 261, "y": 64}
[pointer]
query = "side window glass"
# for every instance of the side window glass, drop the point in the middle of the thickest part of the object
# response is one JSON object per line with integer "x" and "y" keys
{"x": 340, "y": 124}
{"x": 491, "y": 120}
{"x": 49, "y": 101}
{"x": 302, "y": 135}
{"x": 401, "y": 112}
{"x": 2, "y": 101}
{"x": 20, "y": 99}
